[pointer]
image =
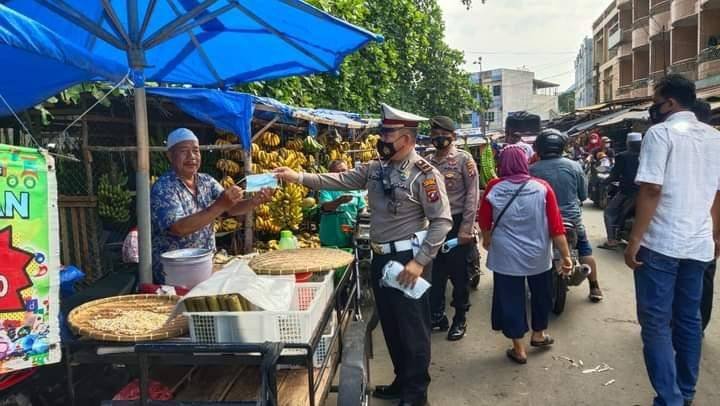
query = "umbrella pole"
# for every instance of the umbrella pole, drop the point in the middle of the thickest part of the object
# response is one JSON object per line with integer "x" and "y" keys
{"x": 142, "y": 185}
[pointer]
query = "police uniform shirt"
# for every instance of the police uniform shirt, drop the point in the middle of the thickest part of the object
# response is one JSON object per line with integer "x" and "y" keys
{"x": 459, "y": 171}
{"x": 415, "y": 200}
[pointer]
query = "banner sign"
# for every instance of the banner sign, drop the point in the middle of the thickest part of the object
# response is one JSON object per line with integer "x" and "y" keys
{"x": 29, "y": 260}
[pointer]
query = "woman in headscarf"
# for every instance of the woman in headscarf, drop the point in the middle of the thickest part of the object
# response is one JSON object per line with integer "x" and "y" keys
{"x": 520, "y": 220}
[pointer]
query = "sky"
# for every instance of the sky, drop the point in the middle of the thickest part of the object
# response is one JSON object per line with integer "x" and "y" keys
{"x": 542, "y": 35}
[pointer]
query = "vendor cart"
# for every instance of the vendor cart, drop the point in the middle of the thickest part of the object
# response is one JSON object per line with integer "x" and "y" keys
{"x": 249, "y": 373}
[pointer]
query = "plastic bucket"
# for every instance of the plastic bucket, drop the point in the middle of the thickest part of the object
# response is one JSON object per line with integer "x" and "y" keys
{"x": 187, "y": 267}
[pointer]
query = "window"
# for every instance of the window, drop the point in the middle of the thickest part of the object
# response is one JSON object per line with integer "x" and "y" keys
{"x": 497, "y": 90}
{"x": 489, "y": 116}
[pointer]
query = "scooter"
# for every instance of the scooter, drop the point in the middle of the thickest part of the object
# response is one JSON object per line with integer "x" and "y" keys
{"x": 598, "y": 185}
{"x": 561, "y": 280}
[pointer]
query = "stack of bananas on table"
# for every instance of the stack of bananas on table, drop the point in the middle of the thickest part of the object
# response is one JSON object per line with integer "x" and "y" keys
{"x": 295, "y": 144}
{"x": 305, "y": 240}
{"x": 221, "y": 225}
{"x": 114, "y": 199}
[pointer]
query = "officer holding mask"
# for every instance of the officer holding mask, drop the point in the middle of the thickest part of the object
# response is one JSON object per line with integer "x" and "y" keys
{"x": 459, "y": 170}
{"x": 406, "y": 196}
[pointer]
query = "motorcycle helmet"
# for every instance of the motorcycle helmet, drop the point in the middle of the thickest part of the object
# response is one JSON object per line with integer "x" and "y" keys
{"x": 550, "y": 143}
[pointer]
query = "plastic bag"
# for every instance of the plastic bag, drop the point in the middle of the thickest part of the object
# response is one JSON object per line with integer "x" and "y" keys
{"x": 157, "y": 391}
{"x": 266, "y": 293}
{"x": 69, "y": 275}
{"x": 391, "y": 270}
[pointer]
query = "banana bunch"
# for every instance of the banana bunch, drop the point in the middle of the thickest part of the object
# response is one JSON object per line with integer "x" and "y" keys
{"x": 227, "y": 182}
{"x": 228, "y": 167}
{"x": 307, "y": 240}
{"x": 269, "y": 139}
{"x": 295, "y": 145}
{"x": 114, "y": 199}
{"x": 224, "y": 225}
{"x": 373, "y": 140}
{"x": 487, "y": 165}
{"x": 311, "y": 146}
{"x": 365, "y": 150}
{"x": 266, "y": 225}
{"x": 286, "y": 206}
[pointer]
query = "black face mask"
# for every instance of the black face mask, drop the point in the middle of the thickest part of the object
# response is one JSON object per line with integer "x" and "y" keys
{"x": 656, "y": 117}
{"x": 386, "y": 149}
{"x": 442, "y": 141}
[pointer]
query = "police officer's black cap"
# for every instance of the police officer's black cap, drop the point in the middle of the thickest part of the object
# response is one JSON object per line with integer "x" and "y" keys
{"x": 522, "y": 121}
{"x": 442, "y": 123}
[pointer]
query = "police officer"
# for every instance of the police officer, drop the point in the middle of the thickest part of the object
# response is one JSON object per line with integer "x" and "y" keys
{"x": 461, "y": 181}
{"x": 406, "y": 195}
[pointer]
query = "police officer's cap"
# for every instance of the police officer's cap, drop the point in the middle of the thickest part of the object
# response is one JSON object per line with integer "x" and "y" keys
{"x": 394, "y": 118}
{"x": 442, "y": 123}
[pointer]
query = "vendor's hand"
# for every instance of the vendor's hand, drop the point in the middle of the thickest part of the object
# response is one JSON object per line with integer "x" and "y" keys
{"x": 486, "y": 243}
{"x": 410, "y": 274}
{"x": 567, "y": 265}
{"x": 464, "y": 240}
{"x": 344, "y": 199}
{"x": 263, "y": 196}
{"x": 230, "y": 197}
{"x": 286, "y": 174}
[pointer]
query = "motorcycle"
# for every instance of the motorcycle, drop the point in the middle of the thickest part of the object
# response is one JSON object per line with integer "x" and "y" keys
{"x": 561, "y": 280}
{"x": 598, "y": 185}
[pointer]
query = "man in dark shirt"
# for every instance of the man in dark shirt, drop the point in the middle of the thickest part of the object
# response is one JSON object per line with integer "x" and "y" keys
{"x": 624, "y": 172}
{"x": 567, "y": 179}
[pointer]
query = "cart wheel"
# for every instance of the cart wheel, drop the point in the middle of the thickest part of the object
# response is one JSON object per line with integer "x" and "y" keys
{"x": 559, "y": 290}
{"x": 354, "y": 385}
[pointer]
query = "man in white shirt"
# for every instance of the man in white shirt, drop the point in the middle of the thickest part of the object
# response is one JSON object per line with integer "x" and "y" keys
{"x": 676, "y": 234}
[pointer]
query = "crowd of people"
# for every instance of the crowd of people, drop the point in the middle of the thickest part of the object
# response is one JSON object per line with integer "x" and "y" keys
{"x": 428, "y": 214}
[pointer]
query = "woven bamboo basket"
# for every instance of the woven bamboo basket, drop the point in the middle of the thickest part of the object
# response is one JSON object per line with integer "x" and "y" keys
{"x": 109, "y": 308}
{"x": 289, "y": 262}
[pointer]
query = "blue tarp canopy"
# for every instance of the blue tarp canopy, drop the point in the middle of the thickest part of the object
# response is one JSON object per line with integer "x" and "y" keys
{"x": 229, "y": 111}
{"x": 38, "y": 63}
{"x": 187, "y": 42}
{"x": 233, "y": 111}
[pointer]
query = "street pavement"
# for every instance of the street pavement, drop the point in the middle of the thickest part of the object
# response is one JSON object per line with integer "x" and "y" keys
{"x": 475, "y": 370}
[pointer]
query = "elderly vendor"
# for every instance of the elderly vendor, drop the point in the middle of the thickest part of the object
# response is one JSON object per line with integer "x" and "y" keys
{"x": 185, "y": 203}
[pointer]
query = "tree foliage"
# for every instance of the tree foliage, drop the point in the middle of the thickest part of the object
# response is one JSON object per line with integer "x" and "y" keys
{"x": 413, "y": 69}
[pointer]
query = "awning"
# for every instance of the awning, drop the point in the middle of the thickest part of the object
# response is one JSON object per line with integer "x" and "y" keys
{"x": 593, "y": 107}
{"x": 595, "y": 122}
{"x": 636, "y": 113}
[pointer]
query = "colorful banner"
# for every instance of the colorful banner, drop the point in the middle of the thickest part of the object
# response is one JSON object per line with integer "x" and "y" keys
{"x": 29, "y": 260}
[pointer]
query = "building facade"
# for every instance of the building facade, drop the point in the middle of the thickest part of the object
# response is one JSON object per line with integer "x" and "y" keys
{"x": 516, "y": 90}
{"x": 584, "y": 86}
{"x": 636, "y": 42}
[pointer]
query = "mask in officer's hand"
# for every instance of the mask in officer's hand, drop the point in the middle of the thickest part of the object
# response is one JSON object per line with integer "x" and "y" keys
{"x": 254, "y": 183}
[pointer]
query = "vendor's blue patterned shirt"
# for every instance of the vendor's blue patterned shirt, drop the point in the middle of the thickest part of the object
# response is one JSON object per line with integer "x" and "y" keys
{"x": 171, "y": 201}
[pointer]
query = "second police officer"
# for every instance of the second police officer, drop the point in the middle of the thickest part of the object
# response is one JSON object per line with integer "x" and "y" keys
{"x": 459, "y": 170}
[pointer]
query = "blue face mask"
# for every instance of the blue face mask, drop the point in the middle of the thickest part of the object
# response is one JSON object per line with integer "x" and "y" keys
{"x": 260, "y": 181}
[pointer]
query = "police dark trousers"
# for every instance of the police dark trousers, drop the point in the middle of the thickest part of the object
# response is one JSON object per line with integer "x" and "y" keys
{"x": 406, "y": 327}
{"x": 706, "y": 301}
{"x": 452, "y": 265}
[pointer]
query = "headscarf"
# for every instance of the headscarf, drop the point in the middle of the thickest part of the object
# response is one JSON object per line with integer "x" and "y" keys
{"x": 514, "y": 164}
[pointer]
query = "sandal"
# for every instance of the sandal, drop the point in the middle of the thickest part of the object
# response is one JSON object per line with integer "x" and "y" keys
{"x": 546, "y": 342}
{"x": 610, "y": 247}
{"x": 516, "y": 358}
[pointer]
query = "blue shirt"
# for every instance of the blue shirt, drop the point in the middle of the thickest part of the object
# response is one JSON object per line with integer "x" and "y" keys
{"x": 568, "y": 182}
{"x": 170, "y": 202}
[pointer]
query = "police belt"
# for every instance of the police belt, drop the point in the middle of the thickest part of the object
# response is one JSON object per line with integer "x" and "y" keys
{"x": 392, "y": 247}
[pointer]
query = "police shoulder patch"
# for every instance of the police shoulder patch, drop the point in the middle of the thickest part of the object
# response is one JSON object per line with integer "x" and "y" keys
{"x": 430, "y": 187}
{"x": 471, "y": 168}
{"x": 424, "y": 166}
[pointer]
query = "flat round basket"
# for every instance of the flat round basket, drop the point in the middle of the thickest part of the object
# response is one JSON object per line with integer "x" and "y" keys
{"x": 288, "y": 262}
{"x": 129, "y": 318}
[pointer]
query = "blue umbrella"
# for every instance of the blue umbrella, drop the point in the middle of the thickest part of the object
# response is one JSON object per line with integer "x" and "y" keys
{"x": 215, "y": 43}
{"x": 42, "y": 63}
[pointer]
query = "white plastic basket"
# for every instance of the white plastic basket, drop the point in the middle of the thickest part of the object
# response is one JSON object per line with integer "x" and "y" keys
{"x": 293, "y": 326}
{"x": 323, "y": 346}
